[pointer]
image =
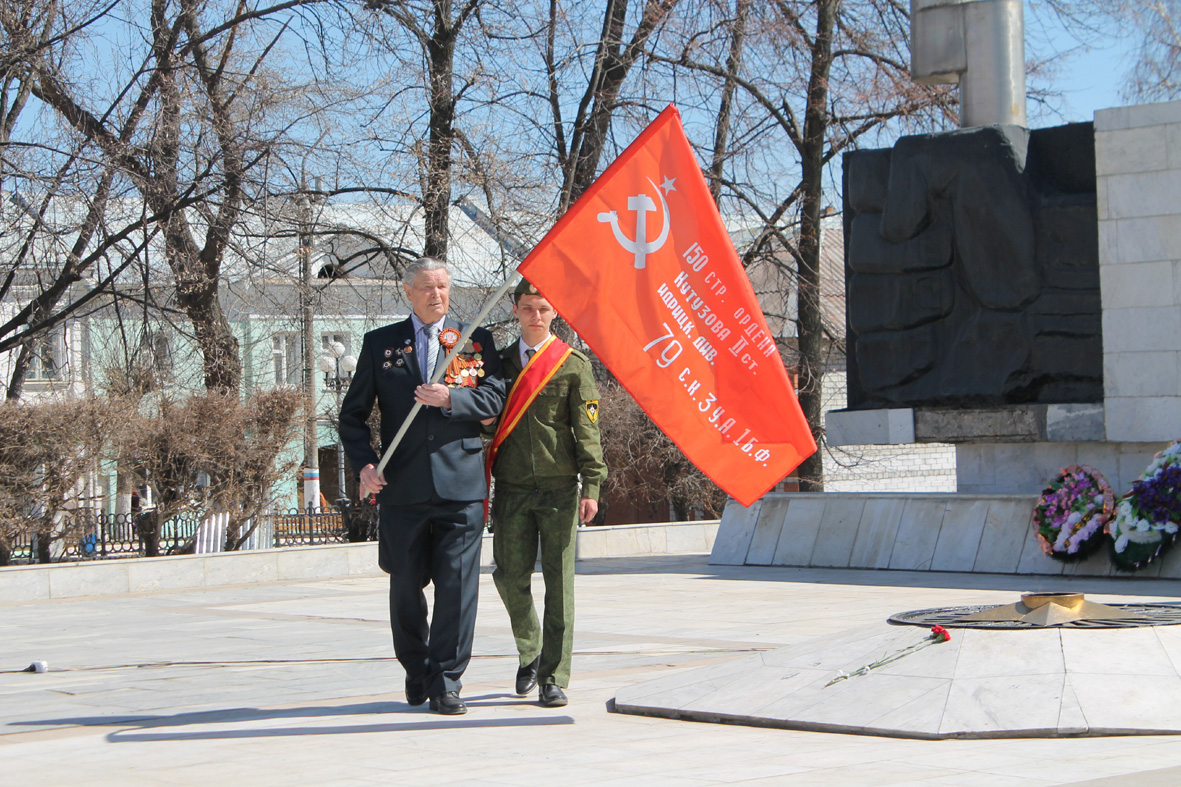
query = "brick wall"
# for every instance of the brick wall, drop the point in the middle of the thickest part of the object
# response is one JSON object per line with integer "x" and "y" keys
{"x": 919, "y": 467}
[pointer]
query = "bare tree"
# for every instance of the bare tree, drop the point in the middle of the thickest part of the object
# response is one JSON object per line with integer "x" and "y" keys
{"x": 235, "y": 445}
{"x": 436, "y": 27}
{"x": 47, "y": 452}
{"x": 722, "y": 129}
{"x": 186, "y": 126}
{"x": 1157, "y": 75}
{"x": 55, "y": 234}
{"x": 243, "y": 448}
{"x": 646, "y": 467}
{"x": 1155, "y": 29}
{"x": 614, "y": 57}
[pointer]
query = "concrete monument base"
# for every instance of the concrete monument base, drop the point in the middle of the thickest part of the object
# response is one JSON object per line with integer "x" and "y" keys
{"x": 926, "y": 532}
{"x": 1014, "y": 450}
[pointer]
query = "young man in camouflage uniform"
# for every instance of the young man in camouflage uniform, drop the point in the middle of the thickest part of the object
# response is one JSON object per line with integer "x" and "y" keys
{"x": 546, "y": 439}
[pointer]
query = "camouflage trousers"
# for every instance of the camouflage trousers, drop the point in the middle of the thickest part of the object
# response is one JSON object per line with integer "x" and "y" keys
{"x": 523, "y": 517}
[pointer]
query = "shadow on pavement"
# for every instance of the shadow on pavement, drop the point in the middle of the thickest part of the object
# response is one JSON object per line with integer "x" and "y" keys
{"x": 141, "y": 723}
{"x": 284, "y": 732}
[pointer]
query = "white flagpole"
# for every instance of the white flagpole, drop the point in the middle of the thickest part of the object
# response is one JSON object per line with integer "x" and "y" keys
{"x": 467, "y": 334}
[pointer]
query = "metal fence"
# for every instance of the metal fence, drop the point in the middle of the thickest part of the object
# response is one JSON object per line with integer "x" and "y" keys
{"x": 91, "y": 535}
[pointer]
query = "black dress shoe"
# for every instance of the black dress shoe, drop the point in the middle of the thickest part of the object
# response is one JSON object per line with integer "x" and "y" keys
{"x": 448, "y": 704}
{"x": 415, "y": 691}
{"x": 527, "y": 677}
{"x": 551, "y": 696}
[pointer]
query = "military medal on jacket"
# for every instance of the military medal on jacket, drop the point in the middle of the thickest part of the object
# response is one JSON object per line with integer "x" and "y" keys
{"x": 466, "y": 367}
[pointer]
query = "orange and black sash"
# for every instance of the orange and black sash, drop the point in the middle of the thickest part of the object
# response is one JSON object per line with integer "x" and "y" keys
{"x": 537, "y": 372}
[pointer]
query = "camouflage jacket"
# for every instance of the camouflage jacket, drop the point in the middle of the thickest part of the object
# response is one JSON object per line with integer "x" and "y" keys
{"x": 557, "y": 439}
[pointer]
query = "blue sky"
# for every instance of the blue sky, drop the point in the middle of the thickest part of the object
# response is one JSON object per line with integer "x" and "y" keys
{"x": 1092, "y": 83}
{"x": 1090, "y": 78}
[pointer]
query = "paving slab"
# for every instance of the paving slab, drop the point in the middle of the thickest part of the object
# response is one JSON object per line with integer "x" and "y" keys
{"x": 295, "y": 683}
{"x": 903, "y": 681}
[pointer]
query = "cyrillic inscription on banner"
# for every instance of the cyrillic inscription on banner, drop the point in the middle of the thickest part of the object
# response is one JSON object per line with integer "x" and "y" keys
{"x": 643, "y": 269}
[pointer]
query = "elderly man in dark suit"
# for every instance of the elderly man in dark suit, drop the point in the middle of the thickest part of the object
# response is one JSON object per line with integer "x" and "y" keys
{"x": 433, "y": 488}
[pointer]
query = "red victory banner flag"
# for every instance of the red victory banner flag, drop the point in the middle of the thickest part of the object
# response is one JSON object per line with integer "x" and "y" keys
{"x": 642, "y": 267}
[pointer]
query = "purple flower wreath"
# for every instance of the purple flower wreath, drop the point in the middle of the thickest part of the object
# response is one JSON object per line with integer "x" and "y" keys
{"x": 1148, "y": 517}
{"x": 1072, "y": 511}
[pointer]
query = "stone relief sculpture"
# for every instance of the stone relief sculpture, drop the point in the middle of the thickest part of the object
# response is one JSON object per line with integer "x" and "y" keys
{"x": 972, "y": 270}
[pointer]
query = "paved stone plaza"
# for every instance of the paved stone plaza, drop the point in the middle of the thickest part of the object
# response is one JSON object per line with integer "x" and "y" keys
{"x": 294, "y": 683}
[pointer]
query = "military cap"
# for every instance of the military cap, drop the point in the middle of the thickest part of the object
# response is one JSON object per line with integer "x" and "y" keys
{"x": 525, "y": 288}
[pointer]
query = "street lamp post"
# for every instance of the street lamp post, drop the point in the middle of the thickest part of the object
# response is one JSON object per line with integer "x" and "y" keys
{"x": 311, "y": 462}
{"x": 338, "y": 371}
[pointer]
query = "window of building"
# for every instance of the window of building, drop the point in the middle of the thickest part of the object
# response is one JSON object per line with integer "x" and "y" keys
{"x": 285, "y": 358}
{"x": 327, "y": 340}
{"x": 158, "y": 352}
{"x": 49, "y": 356}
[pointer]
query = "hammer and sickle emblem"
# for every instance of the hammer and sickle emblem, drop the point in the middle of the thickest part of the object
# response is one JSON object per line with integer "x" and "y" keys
{"x": 641, "y": 247}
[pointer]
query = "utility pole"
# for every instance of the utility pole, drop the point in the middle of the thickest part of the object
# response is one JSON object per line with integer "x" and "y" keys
{"x": 311, "y": 463}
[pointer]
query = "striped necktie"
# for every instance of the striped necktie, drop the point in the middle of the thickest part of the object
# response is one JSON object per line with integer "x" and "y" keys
{"x": 430, "y": 350}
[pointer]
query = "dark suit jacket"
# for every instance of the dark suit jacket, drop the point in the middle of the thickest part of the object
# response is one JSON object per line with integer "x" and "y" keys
{"x": 438, "y": 453}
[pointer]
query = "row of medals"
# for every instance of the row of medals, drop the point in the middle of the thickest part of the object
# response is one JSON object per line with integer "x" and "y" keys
{"x": 470, "y": 363}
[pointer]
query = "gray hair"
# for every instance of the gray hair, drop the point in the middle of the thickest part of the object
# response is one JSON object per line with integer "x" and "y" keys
{"x": 423, "y": 264}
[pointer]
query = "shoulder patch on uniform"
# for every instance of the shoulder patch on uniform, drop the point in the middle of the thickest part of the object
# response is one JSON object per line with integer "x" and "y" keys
{"x": 579, "y": 354}
{"x": 592, "y": 409}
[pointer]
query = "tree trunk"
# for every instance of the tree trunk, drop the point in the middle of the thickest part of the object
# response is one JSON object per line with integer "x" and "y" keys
{"x": 436, "y": 197}
{"x": 215, "y": 338}
{"x": 722, "y": 129}
{"x": 41, "y": 541}
{"x": 20, "y": 371}
{"x": 148, "y": 529}
{"x": 599, "y": 101}
{"x": 613, "y": 60}
{"x": 811, "y": 472}
{"x": 586, "y": 145}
